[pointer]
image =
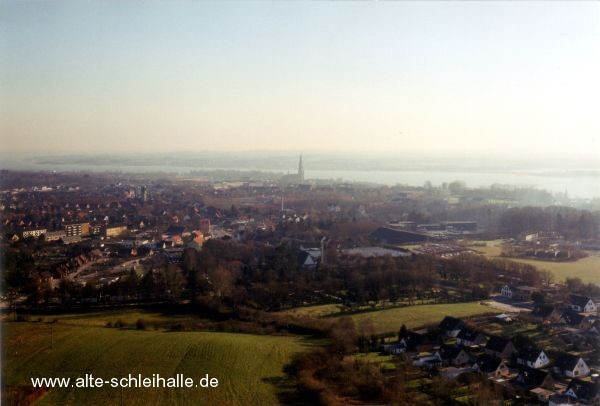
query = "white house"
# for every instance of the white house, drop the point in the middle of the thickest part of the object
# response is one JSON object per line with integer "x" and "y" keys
{"x": 506, "y": 291}
{"x": 517, "y": 292}
{"x": 532, "y": 357}
{"x": 571, "y": 366}
{"x": 582, "y": 304}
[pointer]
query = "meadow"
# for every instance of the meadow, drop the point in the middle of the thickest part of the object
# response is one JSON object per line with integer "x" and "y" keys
{"x": 250, "y": 368}
{"x": 390, "y": 320}
{"x": 587, "y": 269}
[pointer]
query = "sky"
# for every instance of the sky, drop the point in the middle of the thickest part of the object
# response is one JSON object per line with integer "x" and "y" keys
{"x": 493, "y": 78}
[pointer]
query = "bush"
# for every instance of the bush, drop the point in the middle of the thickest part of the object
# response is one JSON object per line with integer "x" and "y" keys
{"x": 140, "y": 324}
{"x": 119, "y": 324}
{"x": 109, "y": 324}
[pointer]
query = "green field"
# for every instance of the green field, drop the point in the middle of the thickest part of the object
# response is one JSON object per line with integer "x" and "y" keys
{"x": 390, "y": 320}
{"x": 587, "y": 269}
{"x": 250, "y": 368}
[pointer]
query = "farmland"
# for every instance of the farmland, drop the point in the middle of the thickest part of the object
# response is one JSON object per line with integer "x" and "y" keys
{"x": 250, "y": 368}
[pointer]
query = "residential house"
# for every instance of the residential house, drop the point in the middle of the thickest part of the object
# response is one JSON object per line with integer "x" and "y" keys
{"x": 507, "y": 291}
{"x": 543, "y": 395}
{"x": 309, "y": 258}
{"x": 522, "y": 293}
{"x": 413, "y": 341}
{"x": 428, "y": 360}
{"x": 532, "y": 357}
{"x": 587, "y": 391}
{"x": 529, "y": 378}
{"x": 594, "y": 326}
{"x": 582, "y": 304}
{"x": 500, "y": 347}
{"x": 452, "y": 355}
{"x": 451, "y": 326}
{"x": 492, "y": 366}
{"x": 575, "y": 320}
{"x": 468, "y": 337}
{"x": 563, "y": 400}
{"x": 546, "y": 313}
{"x": 571, "y": 366}
{"x": 396, "y": 348}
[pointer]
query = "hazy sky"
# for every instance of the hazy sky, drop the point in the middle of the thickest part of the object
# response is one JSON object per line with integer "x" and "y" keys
{"x": 368, "y": 76}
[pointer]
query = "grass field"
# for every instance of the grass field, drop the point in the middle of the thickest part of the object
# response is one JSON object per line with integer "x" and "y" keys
{"x": 128, "y": 317}
{"x": 314, "y": 311}
{"x": 390, "y": 320}
{"x": 249, "y": 367}
{"x": 587, "y": 269}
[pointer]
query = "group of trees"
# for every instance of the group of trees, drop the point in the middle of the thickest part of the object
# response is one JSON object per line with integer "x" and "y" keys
{"x": 270, "y": 278}
{"x": 574, "y": 224}
{"x": 265, "y": 277}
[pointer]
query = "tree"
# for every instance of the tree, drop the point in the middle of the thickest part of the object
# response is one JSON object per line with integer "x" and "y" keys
{"x": 343, "y": 336}
{"x": 222, "y": 281}
{"x": 174, "y": 280}
{"x": 403, "y": 332}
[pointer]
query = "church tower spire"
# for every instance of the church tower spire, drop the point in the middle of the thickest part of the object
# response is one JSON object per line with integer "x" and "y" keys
{"x": 300, "y": 170}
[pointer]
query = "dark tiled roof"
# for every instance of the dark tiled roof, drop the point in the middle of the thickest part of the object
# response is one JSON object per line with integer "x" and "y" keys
{"x": 572, "y": 318}
{"x": 497, "y": 343}
{"x": 488, "y": 363}
{"x": 566, "y": 361}
{"x": 449, "y": 352}
{"x": 451, "y": 323}
{"x": 542, "y": 311}
{"x": 531, "y": 378}
{"x": 529, "y": 353}
{"x": 468, "y": 334}
{"x": 413, "y": 339}
{"x": 579, "y": 300}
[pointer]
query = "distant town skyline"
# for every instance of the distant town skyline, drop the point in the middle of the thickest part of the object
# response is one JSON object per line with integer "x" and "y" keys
{"x": 494, "y": 78}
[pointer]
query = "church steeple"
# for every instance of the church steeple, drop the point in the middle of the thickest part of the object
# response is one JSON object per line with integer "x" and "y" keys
{"x": 300, "y": 170}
